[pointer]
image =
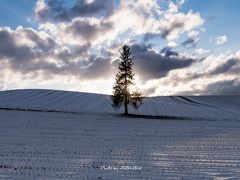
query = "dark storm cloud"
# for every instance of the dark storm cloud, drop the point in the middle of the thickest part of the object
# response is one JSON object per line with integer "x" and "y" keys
{"x": 152, "y": 65}
{"x": 56, "y": 11}
{"x": 25, "y": 59}
{"x": 87, "y": 30}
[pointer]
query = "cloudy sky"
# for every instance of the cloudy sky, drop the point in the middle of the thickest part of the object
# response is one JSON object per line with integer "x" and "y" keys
{"x": 186, "y": 47}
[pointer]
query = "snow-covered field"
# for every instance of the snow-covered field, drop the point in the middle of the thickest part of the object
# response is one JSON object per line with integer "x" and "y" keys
{"x": 207, "y": 107}
{"x": 91, "y": 141}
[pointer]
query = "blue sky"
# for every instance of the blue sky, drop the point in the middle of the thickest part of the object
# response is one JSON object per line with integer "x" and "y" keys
{"x": 16, "y": 12}
{"x": 221, "y": 18}
{"x": 57, "y": 45}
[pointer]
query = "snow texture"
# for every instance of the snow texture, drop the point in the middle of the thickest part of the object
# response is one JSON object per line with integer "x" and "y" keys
{"x": 207, "y": 107}
{"x": 96, "y": 142}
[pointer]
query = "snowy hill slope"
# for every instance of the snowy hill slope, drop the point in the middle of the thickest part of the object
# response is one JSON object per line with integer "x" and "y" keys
{"x": 209, "y": 107}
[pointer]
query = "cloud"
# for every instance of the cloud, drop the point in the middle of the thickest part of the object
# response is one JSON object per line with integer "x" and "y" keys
{"x": 149, "y": 91}
{"x": 225, "y": 87}
{"x": 195, "y": 78}
{"x": 2, "y": 83}
{"x": 192, "y": 39}
{"x": 172, "y": 44}
{"x": 167, "y": 51}
{"x": 221, "y": 40}
{"x": 231, "y": 66}
{"x": 201, "y": 51}
{"x": 190, "y": 42}
{"x": 80, "y": 31}
{"x": 87, "y": 30}
{"x": 227, "y": 66}
{"x": 28, "y": 52}
{"x": 54, "y": 10}
{"x": 222, "y": 87}
{"x": 108, "y": 23}
{"x": 150, "y": 64}
{"x": 149, "y": 36}
{"x": 193, "y": 34}
{"x": 11, "y": 50}
{"x": 215, "y": 74}
{"x": 173, "y": 24}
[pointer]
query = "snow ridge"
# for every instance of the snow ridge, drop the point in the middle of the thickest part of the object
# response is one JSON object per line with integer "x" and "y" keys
{"x": 207, "y": 107}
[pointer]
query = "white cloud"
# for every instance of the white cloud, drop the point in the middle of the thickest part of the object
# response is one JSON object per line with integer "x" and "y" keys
{"x": 203, "y": 77}
{"x": 172, "y": 44}
{"x": 221, "y": 40}
{"x": 201, "y": 51}
{"x": 132, "y": 18}
{"x": 193, "y": 34}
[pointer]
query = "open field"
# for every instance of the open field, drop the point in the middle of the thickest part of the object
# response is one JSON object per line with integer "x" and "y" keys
{"x": 50, "y": 145}
{"x": 201, "y": 107}
{"x": 47, "y": 134}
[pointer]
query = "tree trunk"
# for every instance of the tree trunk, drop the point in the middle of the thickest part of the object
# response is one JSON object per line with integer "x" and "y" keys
{"x": 126, "y": 96}
{"x": 126, "y": 108}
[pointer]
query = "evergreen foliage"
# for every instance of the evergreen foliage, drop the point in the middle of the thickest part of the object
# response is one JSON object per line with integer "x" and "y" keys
{"x": 124, "y": 78}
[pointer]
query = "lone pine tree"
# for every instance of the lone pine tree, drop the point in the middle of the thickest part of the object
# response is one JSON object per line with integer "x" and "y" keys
{"x": 124, "y": 78}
